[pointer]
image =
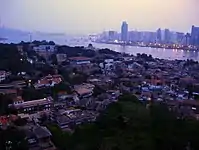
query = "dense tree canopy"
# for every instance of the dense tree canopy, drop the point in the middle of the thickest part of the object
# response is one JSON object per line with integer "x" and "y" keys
{"x": 4, "y": 102}
{"x": 12, "y": 139}
{"x": 129, "y": 125}
{"x": 11, "y": 60}
{"x": 75, "y": 51}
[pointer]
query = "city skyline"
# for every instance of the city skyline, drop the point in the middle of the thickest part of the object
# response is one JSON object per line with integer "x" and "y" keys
{"x": 88, "y": 16}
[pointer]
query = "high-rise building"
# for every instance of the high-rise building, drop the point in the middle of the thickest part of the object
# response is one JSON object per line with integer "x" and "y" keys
{"x": 179, "y": 37}
{"x": 133, "y": 36}
{"x": 149, "y": 37}
{"x": 173, "y": 37}
{"x": 124, "y": 32}
{"x": 112, "y": 35}
{"x": 159, "y": 35}
{"x": 194, "y": 35}
{"x": 167, "y": 36}
{"x": 187, "y": 39}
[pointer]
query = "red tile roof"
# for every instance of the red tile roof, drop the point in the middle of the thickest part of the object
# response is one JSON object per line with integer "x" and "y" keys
{"x": 50, "y": 78}
{"x": 3, "y": 120}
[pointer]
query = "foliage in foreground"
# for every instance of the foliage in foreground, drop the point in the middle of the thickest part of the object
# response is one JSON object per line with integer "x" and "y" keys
{"x": 128, "y": 125}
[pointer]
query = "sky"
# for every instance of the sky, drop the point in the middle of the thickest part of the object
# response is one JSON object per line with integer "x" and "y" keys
{"x": 91, "y": 16}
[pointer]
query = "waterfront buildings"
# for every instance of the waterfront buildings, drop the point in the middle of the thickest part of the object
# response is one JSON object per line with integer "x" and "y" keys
{"x": 159, "y": 35}
{"x": 149, "y": 37}
{"x": 188, "y": 39}
{"x": 112, "y": 35}
{"x": 167, "y": 36}
{"x": 195, "y": 36}
{"x": 179, "y": 37}
{"x": 124, "y": 32}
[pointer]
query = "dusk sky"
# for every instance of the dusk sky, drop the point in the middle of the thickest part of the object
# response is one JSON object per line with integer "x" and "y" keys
{"x": 90, "y": 16}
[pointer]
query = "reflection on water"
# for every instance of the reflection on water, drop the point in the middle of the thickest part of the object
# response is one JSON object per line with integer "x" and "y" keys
{"x": 155, "y": 52}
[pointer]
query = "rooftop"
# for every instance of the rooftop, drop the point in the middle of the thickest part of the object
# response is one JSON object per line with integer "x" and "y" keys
{"x": 33, "y": 103}
{"x": 80, "y": 58}
{"x": 83, "y": 90}
{"x": 41, "y": 132}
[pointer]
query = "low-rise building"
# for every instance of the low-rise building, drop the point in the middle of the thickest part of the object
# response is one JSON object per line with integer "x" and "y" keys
{"x": 50, "y": 48}
{"x": 48, "y": 81}
{"x": 33, "y": 105}
{"x": 79, "y": 60}
{"x": 17, "y": 100}
{"x": 4, "y": 75}
{"x": 38, "y": 138}
{"x": 61, "y": 58}
{"x": 84, "y": 90}
{"x": 71, "y": 118}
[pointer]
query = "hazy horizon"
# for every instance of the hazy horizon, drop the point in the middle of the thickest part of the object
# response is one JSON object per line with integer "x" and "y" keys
{"x": 92, "y": 16}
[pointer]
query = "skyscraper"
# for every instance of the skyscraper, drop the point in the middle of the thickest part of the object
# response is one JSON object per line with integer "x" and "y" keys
{"x": 124, "y": 32}
{"x": 179, "y": 37}
{"x": 159, "y": 35}
{"x": 194, "y": 35}
{"x": 188, "y": 39}
{"x": 167, "y": 36}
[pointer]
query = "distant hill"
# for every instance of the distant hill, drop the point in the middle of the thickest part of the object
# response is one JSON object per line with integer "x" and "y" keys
{"x": 16, "y": 36}
{"x": 13, "y": 35}
{"x": 3, "y": 39}
{"x": 7, "y": 31}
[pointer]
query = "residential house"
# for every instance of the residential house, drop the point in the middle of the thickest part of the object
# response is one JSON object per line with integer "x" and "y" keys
{"x": 5, "y": 121}
{"x": 84, "y": 90}
{"x": 63, "y": 121}
{"x": 73, "y": 117}
{"x": 82, "y": 64}
{"x": 94, "y": 81}
{"x": 62, "y": 95}
{"x": 17, "y": 100}
{"x": 48, "y": 81}
{"x": 38, "y": 138}
{"x": 79, "y": 60}
{"x": 51, "y": 48}
{"x": 45, "y": 50}
{"x": 4, "y": 75}
{"x": 61, "y": 58}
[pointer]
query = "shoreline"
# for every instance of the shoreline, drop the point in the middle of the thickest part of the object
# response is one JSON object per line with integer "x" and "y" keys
{"x": 155, "y": 47}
